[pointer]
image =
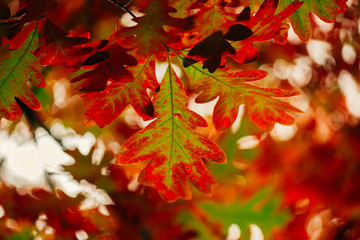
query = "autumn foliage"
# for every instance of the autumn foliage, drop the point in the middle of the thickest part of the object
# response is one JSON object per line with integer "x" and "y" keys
{"x": 137, "y": 75}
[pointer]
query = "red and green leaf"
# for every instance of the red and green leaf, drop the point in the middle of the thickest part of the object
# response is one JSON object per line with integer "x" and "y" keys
{"x": 212, "y": 16}
{"x": 265, "y": 25}
{"x": 174, "y": 151}
{"x": 20, "y": 37}
{"x": 16, "y": 71}
{"x": 110, "y": 103}
{"x": 326, "y": 10}
{"x": 233, "y": 90}
{"x": 211, "y": 19}
{"x": 262, "y": 26}
{"x": 150, "y": 32}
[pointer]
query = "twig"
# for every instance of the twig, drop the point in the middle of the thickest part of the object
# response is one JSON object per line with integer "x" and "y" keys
{"x": 123, "y": 6}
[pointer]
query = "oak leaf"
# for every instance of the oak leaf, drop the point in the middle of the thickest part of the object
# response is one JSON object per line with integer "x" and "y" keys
{"x": 174, "y": 151}
{"x": 30, "y": 10}
{"x": 215, "y": 47}
{"x": 108, "y": 64}
{"x": 58, "y": 48}
{"x": 326, "y": 10}
{"x": 16, "y": 70}
{"x": 237, "y": 41}
{"x": 265, "y": 24}
{"x": 155, "y": 28}
{"x": 208, "y": 215}
{"x": 110, "y": 103}
{"x": 233, "y": 90}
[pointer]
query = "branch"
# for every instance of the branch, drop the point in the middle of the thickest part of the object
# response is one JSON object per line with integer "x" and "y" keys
{"x": 35, "y": 121}
{"x": 123, "y": 6}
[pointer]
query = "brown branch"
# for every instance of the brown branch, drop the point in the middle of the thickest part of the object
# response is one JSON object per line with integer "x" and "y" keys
{"x": 123, "y": 6}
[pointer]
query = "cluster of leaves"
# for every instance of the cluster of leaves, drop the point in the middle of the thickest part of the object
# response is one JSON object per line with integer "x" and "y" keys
{"x": 211, "y": 51}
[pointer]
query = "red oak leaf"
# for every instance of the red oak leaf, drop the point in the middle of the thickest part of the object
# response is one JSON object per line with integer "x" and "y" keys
{"x": 20, "y": 37}
{"x": 58, "y": 48}
{"x": 174, "y": 150}
{"x": 213, "y": 49}
{"x": 326, "y": 10}
{"x": 149, "y": 33}
{"x": 17, "y": 70}
{"x": 212, "y": 16}
{"x": 31, "y": 10}
{"x": 110, "y": 103}
{"x": 233, "y": 89}
{"x": 107, "y": 64}
{"x": 265, "y": 25}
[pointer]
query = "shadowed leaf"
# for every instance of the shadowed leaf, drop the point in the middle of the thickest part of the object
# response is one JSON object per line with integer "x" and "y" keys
{"x": 57, "y": 48}
{"x": 16, "y": 70}
{"x": 110, "y": 68}
{"x": 211, "y": 51}
{"x": 4, "y": 10}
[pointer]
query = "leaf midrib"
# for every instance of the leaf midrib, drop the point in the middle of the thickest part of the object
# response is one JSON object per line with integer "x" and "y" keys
{"x": 172, "y": 122}
{"x": 19, "y": 60}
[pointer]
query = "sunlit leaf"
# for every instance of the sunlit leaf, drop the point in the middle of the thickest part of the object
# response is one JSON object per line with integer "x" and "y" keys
{"x": 175, "y": 152}
{"x": 110, "y": 103}
{"x": 233, "y": 89}
{"x": 150, "y": 31}
{"x": 326, "y": 10}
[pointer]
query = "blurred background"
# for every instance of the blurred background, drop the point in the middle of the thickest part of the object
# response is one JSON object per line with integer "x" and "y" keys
{"x": 58, "y": 181}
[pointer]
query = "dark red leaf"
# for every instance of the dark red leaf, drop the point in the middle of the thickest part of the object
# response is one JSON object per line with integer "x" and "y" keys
{"x": 211, "y": 51}
{"x": 238, "y": 32}
{"x": 113, "y": 67}
{"x": 19, "y": 38}
{"x": 4, "y": 10}
{"x": 95, "y": 58}
{"x": 244, "y": 15}
{"x": 35, "y": 9}
{"x": 57, "y": 48}
{"x": 31, "y": 10}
